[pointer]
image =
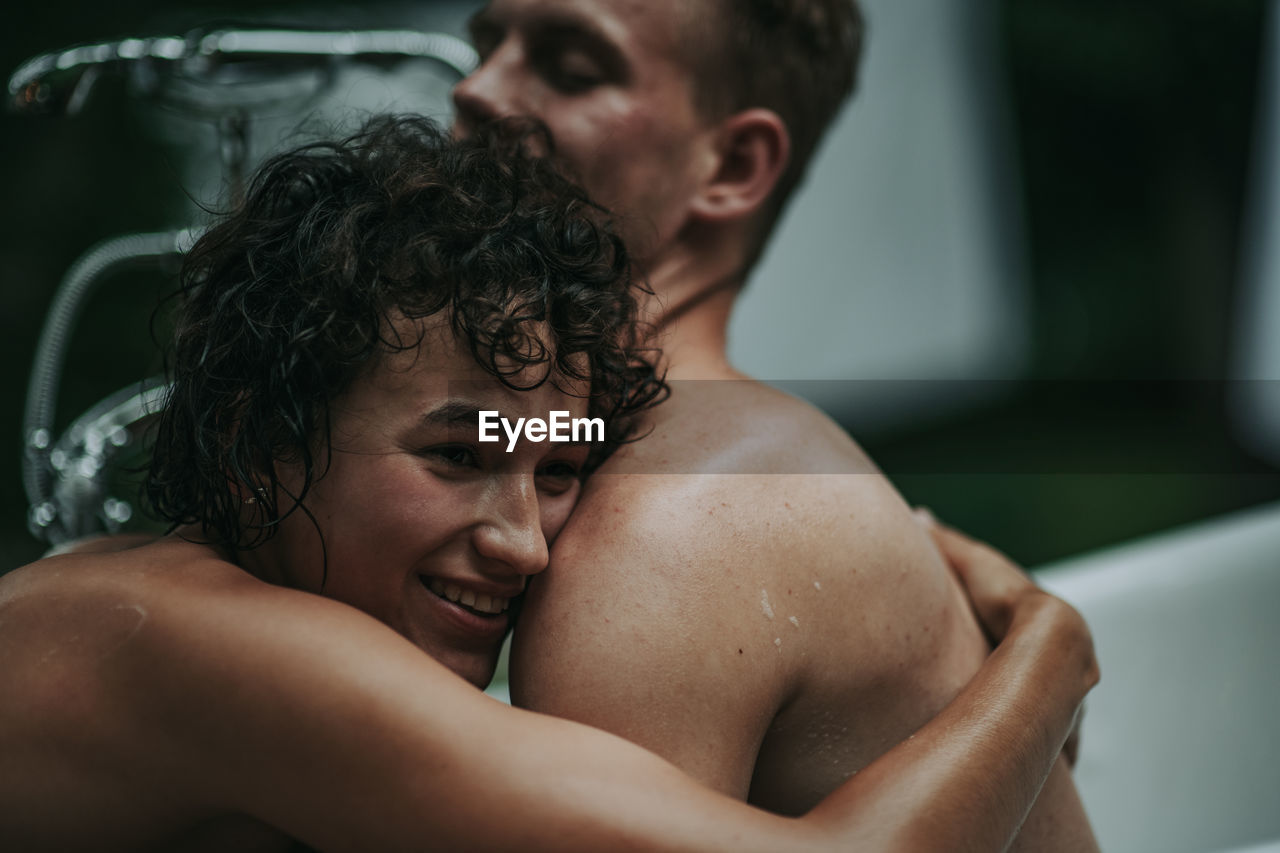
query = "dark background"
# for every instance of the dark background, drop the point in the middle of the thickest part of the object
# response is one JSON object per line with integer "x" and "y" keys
{"x": 1134, "y": 126}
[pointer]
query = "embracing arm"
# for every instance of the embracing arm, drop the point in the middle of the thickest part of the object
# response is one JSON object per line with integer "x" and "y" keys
{"x": 322, "y": 722}
{"x": 971, "y": 775}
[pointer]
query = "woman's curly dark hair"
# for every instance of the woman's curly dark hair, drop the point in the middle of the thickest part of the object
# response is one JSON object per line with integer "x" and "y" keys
{"x": 288, "y": 297}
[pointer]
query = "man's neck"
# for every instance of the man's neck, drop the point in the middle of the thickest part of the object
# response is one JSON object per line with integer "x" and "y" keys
{"x": 692, "y": 301}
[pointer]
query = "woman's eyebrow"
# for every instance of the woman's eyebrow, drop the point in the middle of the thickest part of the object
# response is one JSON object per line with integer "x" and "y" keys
{"x": 452, "y": 412}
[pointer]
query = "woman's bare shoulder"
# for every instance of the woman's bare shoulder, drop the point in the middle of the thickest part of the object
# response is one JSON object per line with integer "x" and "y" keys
{"x": 82, "y": 675}
{"x": 165, "y": 687}
{"x": 72, "y": 625}
{"x": 169, "y": 604}
{"x": 96, "y": 564}
{"x": 74, "y": 590}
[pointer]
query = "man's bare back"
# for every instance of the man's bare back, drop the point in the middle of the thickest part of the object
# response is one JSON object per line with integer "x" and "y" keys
{"x": 745, "y": 594}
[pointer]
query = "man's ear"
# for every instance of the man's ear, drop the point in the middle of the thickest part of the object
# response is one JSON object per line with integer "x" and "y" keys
{"x": 752, "y": 149}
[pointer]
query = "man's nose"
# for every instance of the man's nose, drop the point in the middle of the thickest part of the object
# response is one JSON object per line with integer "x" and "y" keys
{"x": 486, "y": 94}
{"x": 511, "y": 530}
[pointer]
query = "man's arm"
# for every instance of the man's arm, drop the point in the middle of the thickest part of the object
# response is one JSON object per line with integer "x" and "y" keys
{"x": 322, "y": 722}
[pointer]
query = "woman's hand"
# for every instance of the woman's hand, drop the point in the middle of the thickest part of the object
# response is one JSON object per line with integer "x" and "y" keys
{"x": 1002, "y": 595}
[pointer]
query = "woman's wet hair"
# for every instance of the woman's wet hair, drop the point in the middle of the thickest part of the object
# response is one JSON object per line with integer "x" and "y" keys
{"x": 288, "y": 297}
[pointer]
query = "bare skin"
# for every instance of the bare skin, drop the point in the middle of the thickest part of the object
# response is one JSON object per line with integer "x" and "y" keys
{"x": 700, "y": 602}
{"x": 780, "y": 631}
{"x": 167, "y": 699}
{"x": 175, "y": 696}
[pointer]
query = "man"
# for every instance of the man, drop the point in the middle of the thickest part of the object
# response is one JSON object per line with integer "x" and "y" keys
{"x": 808, "y": 627}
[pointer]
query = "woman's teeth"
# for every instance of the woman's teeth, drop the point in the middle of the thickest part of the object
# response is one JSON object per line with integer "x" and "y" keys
{"x": 487, "y": 604}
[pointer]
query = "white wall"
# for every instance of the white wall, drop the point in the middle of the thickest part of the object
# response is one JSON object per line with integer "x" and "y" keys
{"x": 900, "y": 259}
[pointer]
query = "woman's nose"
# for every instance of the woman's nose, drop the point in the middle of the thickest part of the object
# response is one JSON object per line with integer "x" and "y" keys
{"x": 511, "y": 531}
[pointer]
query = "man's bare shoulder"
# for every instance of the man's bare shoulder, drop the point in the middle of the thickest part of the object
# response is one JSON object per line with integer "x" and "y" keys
{"x": 739, "y": 427}
{"x": 750, "y": 551}
{"x": 731, "y": 464}
{"x": 736, "y": 468}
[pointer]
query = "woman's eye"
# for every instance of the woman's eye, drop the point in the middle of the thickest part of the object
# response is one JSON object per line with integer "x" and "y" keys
{"x": 456, "y": 455}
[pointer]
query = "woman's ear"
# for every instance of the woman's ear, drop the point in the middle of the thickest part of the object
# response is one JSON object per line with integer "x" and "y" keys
{"x": 753, "y": 148}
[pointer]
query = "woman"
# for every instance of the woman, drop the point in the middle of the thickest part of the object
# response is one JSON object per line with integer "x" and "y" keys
{"x": 246, "y": 682}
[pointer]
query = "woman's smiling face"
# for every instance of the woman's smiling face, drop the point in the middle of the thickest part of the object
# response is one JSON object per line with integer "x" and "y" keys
{"x": 424, "y": 527}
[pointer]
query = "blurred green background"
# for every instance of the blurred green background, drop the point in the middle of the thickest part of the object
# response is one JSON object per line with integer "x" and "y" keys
{"x": 1134, "y": 126}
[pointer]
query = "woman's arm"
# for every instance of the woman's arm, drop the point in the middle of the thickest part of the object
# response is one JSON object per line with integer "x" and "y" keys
{"x": 319, "y": 720}
{"x": 970, "y": 776}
